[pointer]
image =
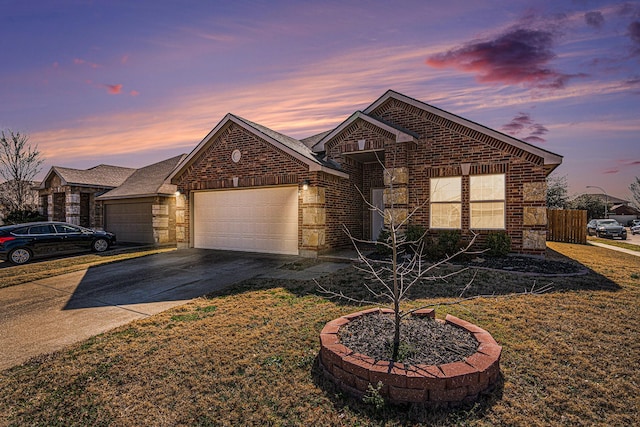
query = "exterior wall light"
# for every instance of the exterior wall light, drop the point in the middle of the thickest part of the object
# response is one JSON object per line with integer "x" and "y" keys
{"x": 305, "y": 184}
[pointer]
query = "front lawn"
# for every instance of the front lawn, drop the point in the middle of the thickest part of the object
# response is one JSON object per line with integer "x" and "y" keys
{"x": 11, "y": 275}
{"x": 247, "y": 356}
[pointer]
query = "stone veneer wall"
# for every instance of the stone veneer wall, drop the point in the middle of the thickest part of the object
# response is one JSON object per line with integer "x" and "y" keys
{"x": 72, "y": 201}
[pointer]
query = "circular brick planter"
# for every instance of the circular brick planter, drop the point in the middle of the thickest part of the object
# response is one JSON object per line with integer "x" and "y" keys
{"x": 434, "y": 385}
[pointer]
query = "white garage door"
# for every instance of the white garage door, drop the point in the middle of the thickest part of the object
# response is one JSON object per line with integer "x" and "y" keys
{"x": 253, "y": 220}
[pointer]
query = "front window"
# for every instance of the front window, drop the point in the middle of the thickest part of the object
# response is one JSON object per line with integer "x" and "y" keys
{"x": 446, "y": 202}
{"x": 487, "y": 201}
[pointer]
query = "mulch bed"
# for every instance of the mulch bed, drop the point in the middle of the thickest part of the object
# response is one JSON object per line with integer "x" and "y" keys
{"x": 524, "y": 264}
{"x": 423, "y": 341}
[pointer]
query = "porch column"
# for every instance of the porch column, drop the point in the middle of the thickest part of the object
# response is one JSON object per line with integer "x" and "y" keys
{"x": 396, "y": 195}
{"x": 314, "y": 219}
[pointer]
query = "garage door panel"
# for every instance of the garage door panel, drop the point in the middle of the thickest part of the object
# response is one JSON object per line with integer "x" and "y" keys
{"x": 257, "y": 220}
{"x": 131, "y": 222}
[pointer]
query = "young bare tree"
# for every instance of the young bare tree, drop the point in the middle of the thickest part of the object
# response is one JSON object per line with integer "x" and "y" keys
{"x": 635, "y": 192}
{"x": 19, "y": 164}
{"x": 406, "y": 267}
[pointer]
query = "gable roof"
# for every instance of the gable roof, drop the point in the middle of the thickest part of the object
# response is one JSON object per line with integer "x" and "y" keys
{"x": 98, "y": 176}
{"x": 289, "y": 145}
{"x": 551, "y": 160}
{"x": 312, "y": 140}
{"x": 401, "y": 135}
{"x": 147, "y": 181}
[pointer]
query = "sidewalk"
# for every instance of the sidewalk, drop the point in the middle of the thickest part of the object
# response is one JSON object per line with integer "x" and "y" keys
{"x": 615, "y": 248}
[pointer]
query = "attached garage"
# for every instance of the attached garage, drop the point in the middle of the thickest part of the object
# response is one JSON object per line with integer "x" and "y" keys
{"x": 132, "y": 222}
{"x": 143, "y": 208}
{"x": 251, "y": 220}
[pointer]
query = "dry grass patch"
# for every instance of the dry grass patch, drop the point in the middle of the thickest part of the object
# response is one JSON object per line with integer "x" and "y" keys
{"x": 16, "y": 275}
{"x": 247, "y": 356}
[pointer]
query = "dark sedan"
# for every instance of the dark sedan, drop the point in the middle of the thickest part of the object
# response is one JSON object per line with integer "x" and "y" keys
{"x": 21, "y": 243}
{"x": 606, "y": 228}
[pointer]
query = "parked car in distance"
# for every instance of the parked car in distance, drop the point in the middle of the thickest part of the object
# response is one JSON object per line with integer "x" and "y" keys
{"x": 606, "y": 228}
{"x": 635, "y": 229}
{"x": 21, "y": 243}
{"x": 633, "y": 223}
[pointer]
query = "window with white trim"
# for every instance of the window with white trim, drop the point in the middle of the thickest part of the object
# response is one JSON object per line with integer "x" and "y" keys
{"x": 487, "y": 201}
{"x": 446, "y": 202}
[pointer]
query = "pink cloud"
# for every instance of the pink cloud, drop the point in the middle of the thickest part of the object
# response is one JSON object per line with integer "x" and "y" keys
{"x": 610, "y": 171}
{"x": 627, "y": 163}
{"x": 113, "y": 89}
{"x": 79, "y": 61}
{"x": 523, "y": 122}
{"x": 124, "y": 59}
{"x": 134, "y": 93}
{"x": 518, "y": 56}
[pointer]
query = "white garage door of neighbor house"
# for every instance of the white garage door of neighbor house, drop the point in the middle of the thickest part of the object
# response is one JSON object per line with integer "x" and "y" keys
{"x": 252, "y": 220}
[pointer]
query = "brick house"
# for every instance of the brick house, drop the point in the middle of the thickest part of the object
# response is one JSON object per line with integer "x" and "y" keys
{"x": 68, "y": 194}
{"x": 247, "y": 187}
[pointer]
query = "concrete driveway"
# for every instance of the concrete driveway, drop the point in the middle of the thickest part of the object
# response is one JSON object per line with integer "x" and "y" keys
{"x": 49, "y": 314}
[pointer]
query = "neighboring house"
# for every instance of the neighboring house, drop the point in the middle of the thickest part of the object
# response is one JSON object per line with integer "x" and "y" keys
{"x": 68, "y": 194}
{"x": 623, "y": 213}
{"x": 246, "y": 187}
{"x": 143, "y": 208}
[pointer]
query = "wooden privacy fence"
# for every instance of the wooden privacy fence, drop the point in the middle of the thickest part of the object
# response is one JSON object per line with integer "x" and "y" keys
{"x": 568, "y": 226}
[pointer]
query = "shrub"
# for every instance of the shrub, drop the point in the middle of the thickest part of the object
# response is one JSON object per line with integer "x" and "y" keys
{"x": 498, "y": 244}
{"x": 384, "y": 237}
{"x": 445, "y": 243}
{"x": 415, "y": 233}
{"x": 19, "y": 217}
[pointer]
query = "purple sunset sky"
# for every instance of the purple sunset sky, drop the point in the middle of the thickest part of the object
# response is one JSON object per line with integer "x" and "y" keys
{"x": 130, "y": 83}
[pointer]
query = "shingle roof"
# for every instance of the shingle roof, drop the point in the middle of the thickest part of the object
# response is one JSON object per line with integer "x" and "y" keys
{"x": 97, "y": 176}
{"x": 147, "y": 181}
{"x": 290, "y": 142}
{"x": 310, "y": 141}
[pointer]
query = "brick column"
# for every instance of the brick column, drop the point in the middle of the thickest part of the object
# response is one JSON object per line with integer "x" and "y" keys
{"x": 314, "y": 220}
{"x": 396, "y": 194}
{"x": 182, "y": 237}
{"x": 73, "y": 208}
{"x": 534, "y": 234}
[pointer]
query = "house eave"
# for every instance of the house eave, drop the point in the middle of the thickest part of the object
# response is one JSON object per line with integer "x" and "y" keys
{"x": 133, "y": 196}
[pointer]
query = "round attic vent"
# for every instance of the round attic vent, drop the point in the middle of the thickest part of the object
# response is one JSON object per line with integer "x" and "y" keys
{"x": 235, "y": 156}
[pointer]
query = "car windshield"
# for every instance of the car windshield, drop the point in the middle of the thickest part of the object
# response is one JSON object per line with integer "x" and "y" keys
{"x": 608, "y": 222}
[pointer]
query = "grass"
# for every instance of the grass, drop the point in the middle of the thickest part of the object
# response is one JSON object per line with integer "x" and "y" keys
{"x": 618, "y": 243}
{"x": 247, "y": 356}
{"x": 17, "y": 275}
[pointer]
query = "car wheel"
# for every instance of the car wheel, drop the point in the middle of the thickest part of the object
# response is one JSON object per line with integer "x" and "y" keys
{"x": 100, "y": 245}
{"x": 20, "y": 256}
